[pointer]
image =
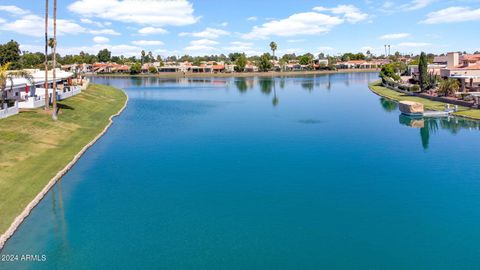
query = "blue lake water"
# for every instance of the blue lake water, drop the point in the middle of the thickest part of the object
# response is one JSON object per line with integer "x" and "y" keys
{"x": 260, "y": 173}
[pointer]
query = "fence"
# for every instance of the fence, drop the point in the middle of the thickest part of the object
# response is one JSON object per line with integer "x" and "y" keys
{"x": 32, "y": 103}
{"x": 72, "y": 91}
{"x": 9, "y": 111}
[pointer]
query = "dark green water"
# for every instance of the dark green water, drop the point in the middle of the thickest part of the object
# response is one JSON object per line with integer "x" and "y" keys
{"x": 260, "y": 173}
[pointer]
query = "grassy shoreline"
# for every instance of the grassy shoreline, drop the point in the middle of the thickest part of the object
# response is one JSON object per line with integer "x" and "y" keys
{"x": 382, "y": 91}
{"x": 236, "y": 75}
{"x": 34, "y": 149}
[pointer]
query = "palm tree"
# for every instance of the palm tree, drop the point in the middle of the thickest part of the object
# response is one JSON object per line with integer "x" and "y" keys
{"x": 143, "y": 56}
{"x": 46, "y": 56}
{"x": 54, "y": 96}
{"x": 448, "y": 87}
{"x": 6, "y": 75}
{"x": 275, "y": 99}
{"x": 273, "y": 47}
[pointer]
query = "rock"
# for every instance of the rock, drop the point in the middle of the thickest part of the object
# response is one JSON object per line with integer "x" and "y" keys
{"x": 411, "y": 107}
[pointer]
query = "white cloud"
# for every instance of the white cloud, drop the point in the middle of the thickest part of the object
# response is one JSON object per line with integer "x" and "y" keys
{"x": 395, "y": 36}
{"x": 152, "y": 31}
{"x": 147, "y": 42}
{"x": 33, "y": 25}
{"x": 295, "y": 40}
{"x": 154, "y": 12}
{"x": 325, "y": 48}
{"x": 388, "y": 4}
{"x": 413, "y": 44}
{"x": 290, "y": 51}
{"x": 207, "y": 33}
{"x": 202, "y": 46}
{"x": 104, "y": 32}
{"x": 252, "y": 18}
{"x": 351, "y": 13}
{"x": 224, "y": 24}
{"x": 366, "y": 48}
{"x": 99, "y": 24}
{"x": 239, "y": 46}
{"x": 14, "y": 10}
{"x": 121, "y": 49}
{"x": 203, "y": 42}
{"x": 241, "y": 43}
{"x": 307, "y": 23}
{"x": 453, "y": 15}
{"x": 101, "y": 40}
{"x": 416, "y": 4}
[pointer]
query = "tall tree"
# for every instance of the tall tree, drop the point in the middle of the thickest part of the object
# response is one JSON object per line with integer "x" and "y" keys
{"x": 306, "y": 59}
{"x": 10, "y": 53}
{"x": 264, "y": 63}
{"x": 31, "y": 60}
{"x": 143, "y": 56}
{"x": 273, "y": 47}
{"x": 54, "y": 73}
{"x": 423, "y": 71}
{"x": 240, "y": 63}
{"x": 47, "y": 105}
{"x": 104, "y": 55}
{"x": 150, "y": 57}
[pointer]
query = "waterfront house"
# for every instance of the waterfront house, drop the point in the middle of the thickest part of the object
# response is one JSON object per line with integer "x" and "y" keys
{"x": 22, "y": 93}
{"x": 250, "y": 67}
{"x": 78, "y": 68}
{"x": 465, "y": 68}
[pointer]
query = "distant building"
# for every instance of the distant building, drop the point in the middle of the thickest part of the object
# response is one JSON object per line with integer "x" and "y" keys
{"x": 467, "y": 65}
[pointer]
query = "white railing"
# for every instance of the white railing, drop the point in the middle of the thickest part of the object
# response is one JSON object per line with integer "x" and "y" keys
{"x": 85, "y": 84}
{"x": 73, "y": 91}
{"x": 9, "y": 111}
{"x": 32, "y": 103}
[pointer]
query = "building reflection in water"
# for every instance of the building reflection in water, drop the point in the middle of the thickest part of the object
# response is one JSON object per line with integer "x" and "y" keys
{"x": 271, "y": 85}
{"x": 430, "y": 126}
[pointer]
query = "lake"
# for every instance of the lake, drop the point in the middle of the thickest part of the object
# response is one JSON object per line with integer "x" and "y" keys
{"x": 309, "y": 172}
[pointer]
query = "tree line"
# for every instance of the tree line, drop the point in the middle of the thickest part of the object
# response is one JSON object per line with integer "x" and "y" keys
{"x": 10, "y": 53}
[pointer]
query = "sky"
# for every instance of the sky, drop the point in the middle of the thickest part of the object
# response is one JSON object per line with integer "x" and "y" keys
{"x": 206, "y": 27}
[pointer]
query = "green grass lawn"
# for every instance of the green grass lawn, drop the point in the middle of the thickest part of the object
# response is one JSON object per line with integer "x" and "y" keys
{"x": 33, "y": 148}
{"x": 377, "y": 88}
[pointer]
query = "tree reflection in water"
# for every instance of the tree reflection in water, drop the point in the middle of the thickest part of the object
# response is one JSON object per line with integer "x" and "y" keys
{"x": 429, "y": 126}
{"x": 241, "y": 85}
{"x": 388, "y": 105}
{"x": 266, "y": 85}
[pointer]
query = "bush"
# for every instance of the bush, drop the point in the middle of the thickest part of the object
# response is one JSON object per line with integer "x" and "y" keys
{"x": 448, "y": 87}
{"x": 389, "y": 71}
{"x": 152, "y": 70}
{"x": 415, "y": 88}
{"x": 136, "y": 68}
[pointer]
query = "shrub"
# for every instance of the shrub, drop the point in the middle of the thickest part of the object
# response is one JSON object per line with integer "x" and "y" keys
{"x": 448, "y": 87}
{"x": 415, "y": 88}
{"x": 152, "y": 70}
{"x": 136, "y": 68}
